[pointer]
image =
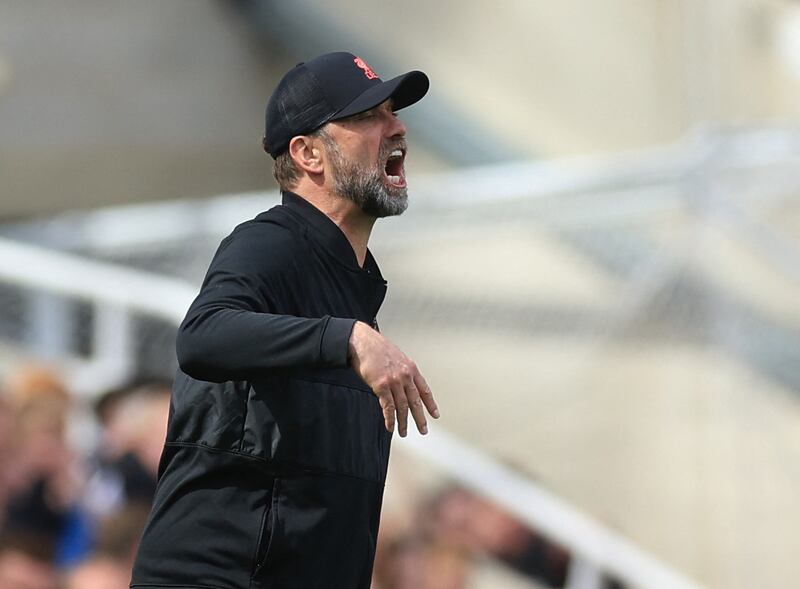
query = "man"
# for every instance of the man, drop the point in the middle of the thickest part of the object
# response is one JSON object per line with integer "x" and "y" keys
{"x": 287, "y": 395}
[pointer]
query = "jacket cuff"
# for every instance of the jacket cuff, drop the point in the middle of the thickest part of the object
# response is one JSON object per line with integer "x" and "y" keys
{"x": 336, "y": 341}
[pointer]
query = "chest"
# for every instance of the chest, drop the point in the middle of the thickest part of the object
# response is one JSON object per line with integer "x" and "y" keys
{"x": 321, "y": 285}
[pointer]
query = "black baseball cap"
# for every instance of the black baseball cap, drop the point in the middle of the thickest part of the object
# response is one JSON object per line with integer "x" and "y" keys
{"x": 331, "y": 87}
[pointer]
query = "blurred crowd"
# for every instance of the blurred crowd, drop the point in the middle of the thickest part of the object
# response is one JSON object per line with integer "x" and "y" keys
{"x": 438, "y": 547}
{"x": 74, "y": 497}
{"x": 70, "y": 518}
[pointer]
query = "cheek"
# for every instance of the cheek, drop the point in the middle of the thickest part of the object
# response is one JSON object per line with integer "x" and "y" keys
{"x": 364, "y": 154}
{"x": 365, "y": 147}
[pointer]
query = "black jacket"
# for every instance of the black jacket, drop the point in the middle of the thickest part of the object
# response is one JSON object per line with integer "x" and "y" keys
{"x": 276, "y": 454}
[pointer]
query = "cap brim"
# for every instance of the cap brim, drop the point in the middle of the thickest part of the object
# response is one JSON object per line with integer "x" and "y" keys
{"x": 404, "y": 90}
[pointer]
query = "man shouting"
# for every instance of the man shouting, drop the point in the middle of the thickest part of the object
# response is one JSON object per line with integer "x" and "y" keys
{"x": 287, "y": 395}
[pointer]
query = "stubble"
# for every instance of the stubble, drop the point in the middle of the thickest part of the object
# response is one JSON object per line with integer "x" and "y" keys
{"x": 366, "y": 186}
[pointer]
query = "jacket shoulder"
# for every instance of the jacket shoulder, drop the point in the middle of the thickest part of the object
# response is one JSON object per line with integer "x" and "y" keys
{"x": 264, "y": 245}
{"x": 274, "y": 227}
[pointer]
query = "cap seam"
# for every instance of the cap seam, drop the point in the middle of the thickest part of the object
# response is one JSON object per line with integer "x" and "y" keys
{"x": 320, "y": 86}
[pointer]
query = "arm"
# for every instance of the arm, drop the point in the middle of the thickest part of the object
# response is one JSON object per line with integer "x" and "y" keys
{"x": 231, "y": 330}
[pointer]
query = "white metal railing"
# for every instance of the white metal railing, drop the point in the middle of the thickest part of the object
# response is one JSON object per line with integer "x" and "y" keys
{"x": 74, "y": 276}
{"x": 117, "y": 292}
{"x": 113, "y": 291}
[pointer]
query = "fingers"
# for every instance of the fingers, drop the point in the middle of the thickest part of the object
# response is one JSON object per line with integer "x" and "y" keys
{"x": 416, "y": 396}
{"x": 395, "y": 404}
{"x": 401, "y": 408}
{"x": 426, "y": 395}
{"x": 416, "y": 407}
{"x": 386, "y": 401}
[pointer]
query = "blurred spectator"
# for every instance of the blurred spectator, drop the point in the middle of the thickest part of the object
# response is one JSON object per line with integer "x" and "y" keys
{"x": 118, "y": 534}
{"x": 452, "y": 530}
{"x": 420, "y": 555}
{"x": 98, "y": 572}
{"x": 398, "y": 562}
{"x": 40, "y": 475}
{"x": 463, "y": 519}
{"x": 26, "y": 562}
{"x": 109, "y": 567}
{"x": 134, "y": 426}
{"x": 138, "y": 429}
{"x": 58, "y": 527}
{"x": 445, "y": 566}
{"x": 38, "y": 454}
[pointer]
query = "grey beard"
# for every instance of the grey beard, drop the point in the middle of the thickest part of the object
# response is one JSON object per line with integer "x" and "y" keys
{"x": 366, "y": 187}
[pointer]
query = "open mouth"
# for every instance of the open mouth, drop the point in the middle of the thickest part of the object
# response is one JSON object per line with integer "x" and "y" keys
{"x": 395, "y": 174}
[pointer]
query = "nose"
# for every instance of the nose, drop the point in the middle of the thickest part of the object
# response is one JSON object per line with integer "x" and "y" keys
{"x": 396, "y": 126}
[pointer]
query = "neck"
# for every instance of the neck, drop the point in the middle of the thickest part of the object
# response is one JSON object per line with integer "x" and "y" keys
{"x": 356, "y": 226}
{"x": 353, "y": 222}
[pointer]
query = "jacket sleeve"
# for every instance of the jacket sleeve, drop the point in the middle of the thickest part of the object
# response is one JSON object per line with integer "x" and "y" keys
{"x": 231, "y": 330}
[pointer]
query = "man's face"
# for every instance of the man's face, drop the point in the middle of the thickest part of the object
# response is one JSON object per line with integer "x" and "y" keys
{"x": 366, "y": 153}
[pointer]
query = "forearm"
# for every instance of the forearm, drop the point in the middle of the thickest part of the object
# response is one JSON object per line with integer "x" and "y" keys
{"x": 218, "y": 344}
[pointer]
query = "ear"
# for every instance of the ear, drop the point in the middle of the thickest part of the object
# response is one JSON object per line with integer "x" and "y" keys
{"x": 306, "y": 154}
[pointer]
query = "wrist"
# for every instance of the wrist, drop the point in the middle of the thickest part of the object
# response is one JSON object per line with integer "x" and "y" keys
{"x": 356, "y": 337}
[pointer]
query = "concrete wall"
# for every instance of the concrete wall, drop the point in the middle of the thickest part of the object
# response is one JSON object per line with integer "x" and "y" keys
{"x": 110, "y": 102}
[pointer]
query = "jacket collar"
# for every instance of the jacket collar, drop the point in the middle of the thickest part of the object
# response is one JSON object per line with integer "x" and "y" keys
{"x": 328, "y": 233}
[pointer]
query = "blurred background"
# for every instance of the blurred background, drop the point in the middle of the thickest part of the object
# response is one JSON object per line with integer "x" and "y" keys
{"x": 599, "y": 275}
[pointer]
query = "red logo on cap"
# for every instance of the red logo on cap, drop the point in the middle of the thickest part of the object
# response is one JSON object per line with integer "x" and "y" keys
{"x": 367, "y": 70}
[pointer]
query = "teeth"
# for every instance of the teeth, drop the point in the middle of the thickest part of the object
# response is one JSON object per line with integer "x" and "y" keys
{"x": 394, "y": 179}
{"x": 396, "y": 153}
